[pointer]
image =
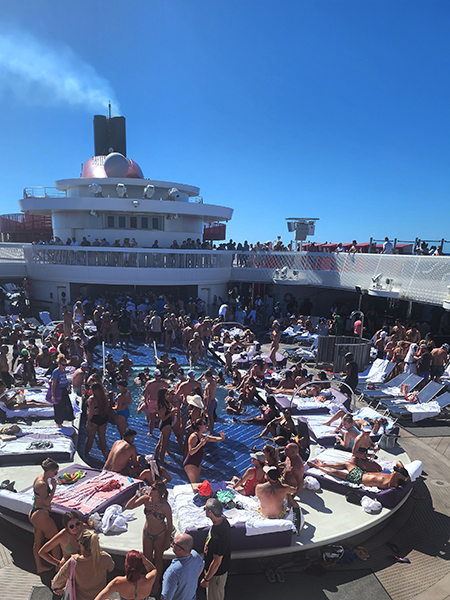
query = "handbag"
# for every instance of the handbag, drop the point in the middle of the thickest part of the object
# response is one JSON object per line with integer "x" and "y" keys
{"x": 70, "y": 589}
{"x": 48, "y": 396}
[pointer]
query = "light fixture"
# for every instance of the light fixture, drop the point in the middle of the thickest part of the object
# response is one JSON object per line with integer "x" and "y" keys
{"x": 121, "y": 190}
{"x": 136, "y": 203}
{"x": 96, "y": 190}
{"x": 93, "y": 213}
{"x": 149, "y": 190}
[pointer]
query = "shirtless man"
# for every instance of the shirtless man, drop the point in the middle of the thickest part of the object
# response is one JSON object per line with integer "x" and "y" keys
{"x": 194, "y": 348}
{"x": 439, "y": 358}
{"x": 275, "y": 338}
{"x": 272, "y": 494}
{"x": 413, "y": 334}
{"x": 188, "y": 334}
{"x": 123, "y": 457}
{"x": 210, "y": 398}
{"x": 79, "y": 377}
{"x": 151, "y": 398}
{"x": 44, "y": 358}
{"x": 169, "y": 326}
{"x": 292, "y": 475}
{"x": 207, "y": 331}
{"x": 349, "y": 472}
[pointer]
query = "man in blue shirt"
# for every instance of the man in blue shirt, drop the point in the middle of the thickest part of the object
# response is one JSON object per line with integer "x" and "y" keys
{"x": 181, "y": 578}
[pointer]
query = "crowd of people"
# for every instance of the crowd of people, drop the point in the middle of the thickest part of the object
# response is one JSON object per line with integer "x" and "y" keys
{"x": 421, "y": 247}
{"x": 180, "y": 402}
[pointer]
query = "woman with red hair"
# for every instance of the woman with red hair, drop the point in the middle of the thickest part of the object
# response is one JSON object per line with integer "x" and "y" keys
{"x": 134, "y": 585}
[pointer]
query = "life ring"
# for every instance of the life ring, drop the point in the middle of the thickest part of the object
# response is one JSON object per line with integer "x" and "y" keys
{"x": 288, "y": 298}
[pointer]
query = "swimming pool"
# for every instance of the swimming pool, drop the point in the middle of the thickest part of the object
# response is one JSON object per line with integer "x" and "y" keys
{"x": 221, "y": 460}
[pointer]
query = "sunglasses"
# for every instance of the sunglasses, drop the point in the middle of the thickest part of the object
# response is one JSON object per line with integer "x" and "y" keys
{"x": 178, "y": 545}
{"x": 77, "y": 524}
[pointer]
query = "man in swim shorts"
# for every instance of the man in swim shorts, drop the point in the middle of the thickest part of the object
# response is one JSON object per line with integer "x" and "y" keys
{"x": 349, "y": 472}
{"x": 151, "y": 397}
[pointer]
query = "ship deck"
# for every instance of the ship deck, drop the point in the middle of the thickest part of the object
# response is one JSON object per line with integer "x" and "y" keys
{"x": 420, "y": 527}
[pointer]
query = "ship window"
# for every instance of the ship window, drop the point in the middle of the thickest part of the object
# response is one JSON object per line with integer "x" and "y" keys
{"x": 122, "y": 222}
{"x": 133, "y": 222}
{"x": 156, "y": 223}
{"x": 144, "y": 222}
{"x": 111, "y": 222}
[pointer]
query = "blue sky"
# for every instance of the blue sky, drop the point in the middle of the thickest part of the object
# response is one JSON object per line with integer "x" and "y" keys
{"x": 334, "y": 109}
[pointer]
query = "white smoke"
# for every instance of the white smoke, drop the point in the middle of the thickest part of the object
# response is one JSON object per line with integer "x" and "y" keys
{"x": 38, "y": 73}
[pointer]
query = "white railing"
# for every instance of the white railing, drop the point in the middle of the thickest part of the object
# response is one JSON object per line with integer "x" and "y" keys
{"x": 418, "y": 278}
{"x": 142, "y": 258}
{"x": 12, "y": 253}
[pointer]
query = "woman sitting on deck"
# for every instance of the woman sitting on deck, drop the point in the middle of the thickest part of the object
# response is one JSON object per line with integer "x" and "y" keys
{"x": 247, "y": 483}
{"x": 269, "y": 411}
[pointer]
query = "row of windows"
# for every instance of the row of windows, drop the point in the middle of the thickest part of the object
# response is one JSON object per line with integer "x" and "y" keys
{"x": 131, "y": 222}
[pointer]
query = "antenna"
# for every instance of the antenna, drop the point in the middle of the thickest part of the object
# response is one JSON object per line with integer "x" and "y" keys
{"x": 109, "y": 108}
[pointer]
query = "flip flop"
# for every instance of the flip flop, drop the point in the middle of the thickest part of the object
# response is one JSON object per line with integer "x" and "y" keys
{"x": 361, "y": 553}
{"x": 280, "y": 575}
{"x": 399, "y": 559}
{"x": 270, "y": 575}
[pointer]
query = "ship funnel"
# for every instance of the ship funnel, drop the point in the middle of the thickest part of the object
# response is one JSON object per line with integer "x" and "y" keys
{"x": 109, "y": 135}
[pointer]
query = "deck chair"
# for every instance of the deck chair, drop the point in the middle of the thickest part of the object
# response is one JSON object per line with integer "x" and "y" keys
{"x": 391, "y": 389}
{"x": 398, "y": 409}
{"x": 378, "y": 372}
{"x": 45, "y": 318}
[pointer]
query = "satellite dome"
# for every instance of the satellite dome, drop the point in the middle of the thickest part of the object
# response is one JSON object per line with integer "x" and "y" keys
{"x": 116, "y": 165}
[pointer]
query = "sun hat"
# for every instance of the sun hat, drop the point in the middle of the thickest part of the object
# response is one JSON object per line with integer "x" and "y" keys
{"x": 195, "y": 400}
{"x": 191, "y": 373}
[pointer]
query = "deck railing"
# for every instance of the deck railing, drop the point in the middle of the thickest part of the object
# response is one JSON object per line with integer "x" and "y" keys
{"x": 418, "y": 278}
{"x": 147, "y": 258}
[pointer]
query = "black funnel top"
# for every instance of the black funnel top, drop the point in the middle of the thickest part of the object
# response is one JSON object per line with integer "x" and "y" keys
{"x": 109, "y": 135}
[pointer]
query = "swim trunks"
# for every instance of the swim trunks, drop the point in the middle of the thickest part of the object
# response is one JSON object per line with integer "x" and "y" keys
{"x": 355, "y": 476}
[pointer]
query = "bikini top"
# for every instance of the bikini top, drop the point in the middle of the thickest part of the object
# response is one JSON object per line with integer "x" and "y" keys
{"x": 155, "y": 513}
{"x": 69, "y": 549}
{"x": 36, "y": 495}
{"x": 135, "y": 594}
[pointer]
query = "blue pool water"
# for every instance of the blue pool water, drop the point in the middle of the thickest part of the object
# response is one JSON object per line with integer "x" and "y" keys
{"x": 221, "y": 461}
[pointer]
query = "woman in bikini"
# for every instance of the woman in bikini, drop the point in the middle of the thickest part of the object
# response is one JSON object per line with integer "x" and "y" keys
{"x": 97, "y": 418}
{"x": 66, "y": 539}
{"x": 165, "y": 413}
{"x": 196, "y": 448}
{"x": 44, "y": 526}
{"x": 158, "y": 524}
{"x": 122, "y": 404}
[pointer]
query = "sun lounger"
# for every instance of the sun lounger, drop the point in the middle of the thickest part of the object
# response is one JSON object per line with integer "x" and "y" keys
{"x": 399, "y": 407}
{"x": 45, "y": 318}
{"x": 325, "y": 435}
{"x": 392, "y": 389}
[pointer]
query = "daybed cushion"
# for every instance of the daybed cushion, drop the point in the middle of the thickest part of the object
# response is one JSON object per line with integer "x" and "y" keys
{"x": 248, "y": 529}
{"x": 388, "y": 498}
{"x": 17, "y": 452}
